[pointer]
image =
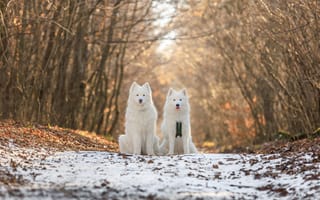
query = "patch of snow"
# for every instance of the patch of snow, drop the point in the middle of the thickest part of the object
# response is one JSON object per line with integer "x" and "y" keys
{"x": 206, "y": 176}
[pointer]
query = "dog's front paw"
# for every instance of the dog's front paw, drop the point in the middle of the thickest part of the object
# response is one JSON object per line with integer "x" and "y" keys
{"x": 170, "y": 154}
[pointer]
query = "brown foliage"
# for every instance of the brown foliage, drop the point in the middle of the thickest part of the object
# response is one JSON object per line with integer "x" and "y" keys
{"x": 51, "y": 138}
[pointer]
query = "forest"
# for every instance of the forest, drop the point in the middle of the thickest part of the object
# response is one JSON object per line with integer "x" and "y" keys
{"x": 252, "y": 68}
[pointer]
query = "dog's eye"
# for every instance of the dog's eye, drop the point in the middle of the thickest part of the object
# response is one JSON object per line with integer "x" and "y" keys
{"x": 180, "y": 99}
{"x": 137, "y": 95}
{"x": 144, "y": 95}
{"x": 174, "y": 99}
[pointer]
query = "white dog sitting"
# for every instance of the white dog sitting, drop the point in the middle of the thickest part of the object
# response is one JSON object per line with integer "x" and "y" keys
{"x": 176, "y": 127}
{"x": 140, "y": 126}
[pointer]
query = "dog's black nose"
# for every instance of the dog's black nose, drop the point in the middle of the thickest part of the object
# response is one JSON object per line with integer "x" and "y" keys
{"x": 140, "y": 100}
{"x": 177, "y": 105}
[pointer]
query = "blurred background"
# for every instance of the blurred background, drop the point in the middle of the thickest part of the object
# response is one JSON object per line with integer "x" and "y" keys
{"x": 251, "y": 68}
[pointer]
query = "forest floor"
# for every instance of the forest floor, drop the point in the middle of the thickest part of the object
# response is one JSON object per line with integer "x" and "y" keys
{"x": 43, "y": 162}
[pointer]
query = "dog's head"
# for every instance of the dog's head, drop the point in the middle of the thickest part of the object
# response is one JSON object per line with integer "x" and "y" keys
{"x": 140, "y": 95}
{"x": 177, "y": 100}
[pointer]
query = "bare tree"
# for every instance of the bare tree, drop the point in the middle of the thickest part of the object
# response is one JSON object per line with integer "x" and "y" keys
{"x": 66, "y": 60}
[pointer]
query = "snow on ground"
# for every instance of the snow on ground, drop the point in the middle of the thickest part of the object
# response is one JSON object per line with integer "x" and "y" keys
{"x": 103, "y": 175}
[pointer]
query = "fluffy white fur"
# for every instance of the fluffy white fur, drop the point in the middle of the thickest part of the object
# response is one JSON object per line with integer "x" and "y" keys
{"x": 176, "y": 109}
{"x": 140, "y": 126}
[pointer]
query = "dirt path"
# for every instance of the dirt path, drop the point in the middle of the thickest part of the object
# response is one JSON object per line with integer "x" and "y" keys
{"x": 104, "y": 175}
{"x": 43, "y": 162}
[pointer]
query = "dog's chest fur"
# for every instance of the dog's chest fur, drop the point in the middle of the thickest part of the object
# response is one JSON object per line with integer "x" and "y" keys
{"x": 142, "y": 117}
{"x": 180, "y": 118}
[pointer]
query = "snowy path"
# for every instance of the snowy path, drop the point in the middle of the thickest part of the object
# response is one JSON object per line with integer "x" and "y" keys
{"x": 103, "y": 175}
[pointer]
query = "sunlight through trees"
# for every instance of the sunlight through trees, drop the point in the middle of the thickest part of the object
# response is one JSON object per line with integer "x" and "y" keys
{"x": 252, "y": 67}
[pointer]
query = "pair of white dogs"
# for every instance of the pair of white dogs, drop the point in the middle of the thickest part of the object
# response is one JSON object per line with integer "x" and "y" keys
{"x": 141, "y": 121}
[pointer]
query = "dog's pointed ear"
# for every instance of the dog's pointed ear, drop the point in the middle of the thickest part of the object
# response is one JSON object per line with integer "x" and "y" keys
{"x": 170, "y": 92}
{"x": 147, "y": 85}
{"x": 133, "y": 85}
{"x": 184, "y": 92}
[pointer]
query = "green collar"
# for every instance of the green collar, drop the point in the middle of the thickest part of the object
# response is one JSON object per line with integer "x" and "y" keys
{"x": 178, "y": 129}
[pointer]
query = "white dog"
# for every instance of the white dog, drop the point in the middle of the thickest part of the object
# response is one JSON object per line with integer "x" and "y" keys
{"x": 140, "y": 126}
{"x": 176, "y": 124}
